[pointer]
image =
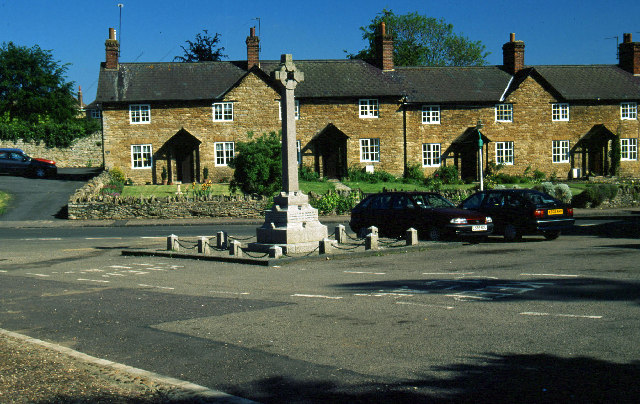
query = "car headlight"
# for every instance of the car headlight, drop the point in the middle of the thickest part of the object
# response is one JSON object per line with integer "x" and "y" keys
{"x": 458, "y": 220}
{"x": 488, "y": 219}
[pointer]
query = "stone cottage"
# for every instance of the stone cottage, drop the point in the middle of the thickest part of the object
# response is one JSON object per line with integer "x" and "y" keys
{"x": 184, "y": 117}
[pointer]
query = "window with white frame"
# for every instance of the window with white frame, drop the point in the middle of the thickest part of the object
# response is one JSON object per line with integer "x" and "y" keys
{"x": 223, "y": 111}
{"x": 141, "y": 156}
{"x": 369, "y": 150}
{"x": 431, "y": 114}
{"x": 139, "y": 113}
{"x": 296, "y": 109}
{"x": 504, "y": 153}
{"x": 628, "y": 110}
{"x": 431, "y": 154}
{"x": 560, "y": 112}
{"x": 224, "y": 153}
{"x": 504, "y": 113}
{"x": 560, "y": 151}
{"x": 368, "y": 108}
{"x": 629, "y": 149}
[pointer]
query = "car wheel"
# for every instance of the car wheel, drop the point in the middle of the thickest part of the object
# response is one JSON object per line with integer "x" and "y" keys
{"x": 551, "y": 235}
{"x": 40, "y": 172}
{"x": 511, "y": 233}
{"x": 435, "y": 234}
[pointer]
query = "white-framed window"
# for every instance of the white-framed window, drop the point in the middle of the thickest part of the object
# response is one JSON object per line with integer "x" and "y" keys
{"x": 223, "y": 111}
{"x": 559, "y": 112}
{"x": 629, "y": 110}
{"x": 629, "y": 149}
{"x": 224, "y": 152}
{"x": 139, "y": 113}
{"x": 504, "y": 153}
{"x": 299, "y": 151}
{"x": 504, "y": 113}
{"x": 431, "y": 114}
{"x": 297, "y": 109}
{"x": 95, "y": 113}
{"x": 369, "y": 150}
{"x": 141, "y": 156}
{"x": 560, "y": 151}
{"x": 431, "y": 154}
{"x": 368, "y": 108}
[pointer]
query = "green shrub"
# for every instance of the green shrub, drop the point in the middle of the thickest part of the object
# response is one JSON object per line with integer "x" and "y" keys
{"x": 336, "y": 202}
{"x": 357, "y": 174}
{"x": 117, "y": 175}
{"x": 257, "y": 165}
{"x": 305, "y": 173}
{"x": 595, "y": 195}
{"x": 414, "y": 174}
{"x": 563, "y": 193}
{"x": 538, "y": 175}
{"x": 447, "y": 174}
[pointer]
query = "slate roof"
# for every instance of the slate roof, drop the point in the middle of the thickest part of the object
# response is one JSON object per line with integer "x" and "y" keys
{"x": 453, "y": 84}
{"x": 140, "y": 82}
{"x": 136, "y": 82}
{"x": 591, "y": 82}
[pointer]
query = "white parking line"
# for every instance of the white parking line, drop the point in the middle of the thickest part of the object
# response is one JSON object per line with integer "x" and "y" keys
{"x": 40, "y": 275}
{"x": 558, "y": 275}
{"x": 41, "y": 239}
{"x": 228, "y": 293}
{"x": 381, "y": 294}
{"x": 533, "y": 313}
{"x": 426, "y": 305}
{"x": 365, "y": 273}
{"x": 93, "y": 280}
{"x": 317, "y": 296}
{"x": 157, "y": 287}
{"x": 448, "y": 273}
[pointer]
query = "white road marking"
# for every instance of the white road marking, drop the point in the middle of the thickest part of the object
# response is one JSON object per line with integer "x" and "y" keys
{"x": 93, "y": 280}
{"x": 114, "y": 274}
{"x": 558, "y": 275}
{"x": 41, "y": 239}
{"x": 91, "y": 270}
{"x": 103, "y": 238}
{"x": 154, "y": 238}
{"x": 448, "y": 273}
{"x": 119, "y": 267}
{"x": 228, "y": 293}
{"x": 41, "y": 275}
{"x": 366, "y": 273}
{"x": 317, "y": 296}
{"x": 533, "y": 313}
{"x": 2, "y": 270}
{"x": 381, "y": 294}
{"x": 426, "y": 305}
{"x": 157, "y": 287}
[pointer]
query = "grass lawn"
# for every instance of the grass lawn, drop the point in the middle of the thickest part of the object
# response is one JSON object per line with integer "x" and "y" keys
{"x": 4, "y": 201}
{"x": 162, "y": 191}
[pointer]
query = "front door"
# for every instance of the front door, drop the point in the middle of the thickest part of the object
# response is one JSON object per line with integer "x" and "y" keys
{"x": 469, "y": 162}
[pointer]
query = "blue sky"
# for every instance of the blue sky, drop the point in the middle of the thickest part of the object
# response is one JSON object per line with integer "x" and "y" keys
{"x": 554, "y": 32}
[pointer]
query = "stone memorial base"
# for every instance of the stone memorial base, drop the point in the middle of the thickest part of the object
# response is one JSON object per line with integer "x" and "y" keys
{"x": 291, "y": 224}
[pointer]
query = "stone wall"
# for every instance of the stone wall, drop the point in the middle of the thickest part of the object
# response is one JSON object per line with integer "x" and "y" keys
{"x": 87, "y": 203}
{"x": 86, "y": 152}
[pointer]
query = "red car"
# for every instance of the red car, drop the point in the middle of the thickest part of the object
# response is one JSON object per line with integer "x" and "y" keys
{"x": 430, "y": 213}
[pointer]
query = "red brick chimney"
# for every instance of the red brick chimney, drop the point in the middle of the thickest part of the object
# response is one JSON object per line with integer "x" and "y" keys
{"x": 513, "y": 55}
{"x": 112, "y": 47}
{"x": 253, "y": 49}
{"x": 384, "y": 49}
{"x": 629, "y": 55}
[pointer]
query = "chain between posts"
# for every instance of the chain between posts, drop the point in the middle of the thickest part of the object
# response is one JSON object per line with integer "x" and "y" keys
{"x": 302, "y": 255}
{"x": 184, "y": 246}
{"x": 253, "y": 256}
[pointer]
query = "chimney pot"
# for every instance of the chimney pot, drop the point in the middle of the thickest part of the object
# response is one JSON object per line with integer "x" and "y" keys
{"x": 627, "y": 38}
{"x": 112, "y": 33}
{"x": 629, "y": 52}
{"x": 512, "y": 37}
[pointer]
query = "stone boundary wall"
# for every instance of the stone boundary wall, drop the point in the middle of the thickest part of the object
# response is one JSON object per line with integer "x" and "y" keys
{"x": 85, "y": 152}
{"x": 87, "y": 203}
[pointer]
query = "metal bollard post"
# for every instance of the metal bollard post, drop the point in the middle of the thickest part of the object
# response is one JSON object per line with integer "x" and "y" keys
{"x": 324, "y": 246}
{"x": 222, "y": 240}
{"x": 275, "y": 251}
{"x": 172, "y": 243}
{"x": 203, "y": 245}
{"x": 235, "y": 248}
{"x": 412, "y": 236}
{"x": 371, "y": 241}
{"x": 341, "y": 235}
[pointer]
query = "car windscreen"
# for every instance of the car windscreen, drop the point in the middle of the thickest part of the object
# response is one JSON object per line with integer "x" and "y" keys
{"x": 540, "y": 198}
{"x": 431, "y": 201}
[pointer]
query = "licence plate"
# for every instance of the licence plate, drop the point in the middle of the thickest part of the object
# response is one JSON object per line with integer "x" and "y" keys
{"x": 480, "y": 227}
{"x": 554, "y": 212}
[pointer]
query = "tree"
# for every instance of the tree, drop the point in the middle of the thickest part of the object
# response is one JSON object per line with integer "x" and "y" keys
{"x": 36, "y": 102}
{"x": 203, "y": 49}
{"x": 258, "y": 166}
{"x": 33, "y": 87}
{"x": 422, "y": 41}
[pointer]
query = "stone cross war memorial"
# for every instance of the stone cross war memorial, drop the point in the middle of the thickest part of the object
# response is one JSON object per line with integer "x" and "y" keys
{"x": 292, "y": 224}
